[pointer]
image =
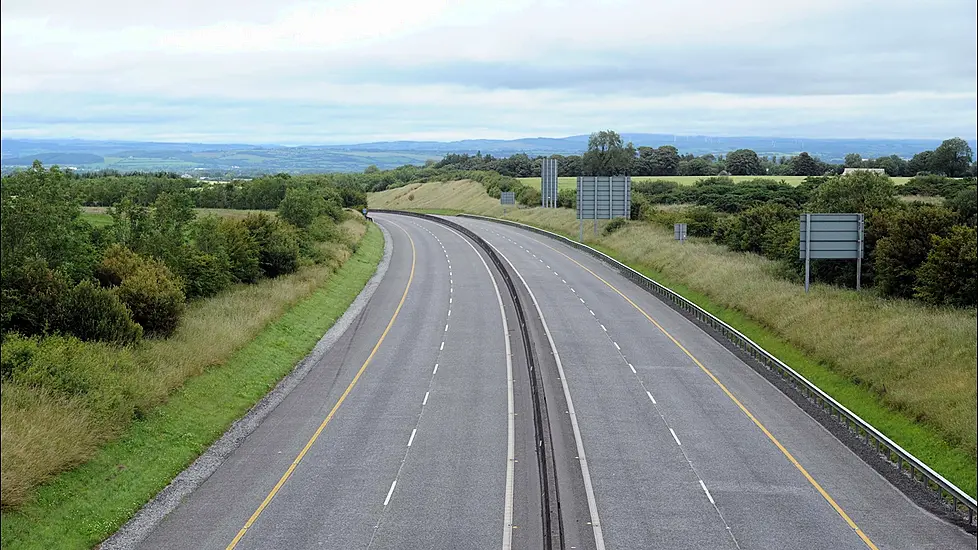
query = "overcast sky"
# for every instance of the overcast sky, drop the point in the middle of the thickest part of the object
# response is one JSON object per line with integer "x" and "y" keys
{"x": 290, "y": 72}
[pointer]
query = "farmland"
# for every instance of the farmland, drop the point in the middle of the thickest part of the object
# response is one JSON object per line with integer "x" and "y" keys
{"x": 570, "y": 182}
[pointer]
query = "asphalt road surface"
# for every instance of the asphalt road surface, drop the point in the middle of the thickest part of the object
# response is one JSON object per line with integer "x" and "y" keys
{"x": 415, "y": 429}
{"x": 688, "y": 447}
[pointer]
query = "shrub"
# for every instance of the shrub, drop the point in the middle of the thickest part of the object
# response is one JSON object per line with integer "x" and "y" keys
{"x": 701, "y": 221}
{"x": 529, "y": 196}
{"x": 949, "y": 275}
{"x": 567, "y": 198}
{"x": 89, "y": 312}
{"x": 965, "y": 204}
{"x": 861, "y": 192}
{"x": 241, "y": 249}
{"x": 747, "y": 232}
{"x": 154, "y": 296}
{"x": 203, "y": 274}
{"x": 118, "y": 262}
{"x": 28, "y": 294}
{"x": 906, "y": 246}
{"x": 615, "y": 225}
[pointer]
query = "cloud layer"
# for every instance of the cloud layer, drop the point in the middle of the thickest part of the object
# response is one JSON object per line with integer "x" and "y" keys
{"x": 332, "y": 72}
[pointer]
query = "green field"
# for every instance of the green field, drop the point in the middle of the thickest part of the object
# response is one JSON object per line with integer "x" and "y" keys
{"x": 570, "y": 182}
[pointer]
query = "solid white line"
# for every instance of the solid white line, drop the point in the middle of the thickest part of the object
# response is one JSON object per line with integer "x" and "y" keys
{"x": 707, "y": 491}
{"x": 435, "y": 369}
{"x": 507, "y": 542}
{"x": 410, "y": 441}
{"x": 585, "y": 470}
{"x": 616, "y": 345}
{"x": 425, "y": 400}
{"x": 650, "y": 397}
{"x": 633, "y": 370}
{"x": 389, "y": 493}
{"x": 442, "y": 344}
{"x": 674, "y": 436}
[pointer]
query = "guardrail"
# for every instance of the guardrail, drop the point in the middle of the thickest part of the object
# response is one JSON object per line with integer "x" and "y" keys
{"x": 885, "y": 448}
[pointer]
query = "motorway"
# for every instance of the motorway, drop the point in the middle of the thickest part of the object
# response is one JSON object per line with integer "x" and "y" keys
{"x": 415, "y": 430}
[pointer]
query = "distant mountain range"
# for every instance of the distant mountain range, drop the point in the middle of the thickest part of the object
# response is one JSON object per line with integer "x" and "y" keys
{"x": 244, "y": 159}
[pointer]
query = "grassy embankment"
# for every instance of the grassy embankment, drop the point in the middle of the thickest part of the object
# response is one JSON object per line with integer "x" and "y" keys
{"x": 570, "y": 182}
{"x": 906, "y": 368}
{"x": 228, "y": 352}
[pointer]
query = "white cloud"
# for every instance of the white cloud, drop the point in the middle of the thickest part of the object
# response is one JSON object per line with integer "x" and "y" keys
{"x": 447, "y": 69}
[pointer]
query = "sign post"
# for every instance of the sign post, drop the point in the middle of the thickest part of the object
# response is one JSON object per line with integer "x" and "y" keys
{"x": 602, "y": 198}
{"x": 831, "y": 237}
{"x": 679, "y": 232}
{"x": 548, "y": 183}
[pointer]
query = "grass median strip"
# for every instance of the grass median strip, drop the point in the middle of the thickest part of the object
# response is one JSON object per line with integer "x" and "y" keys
{"x": 81, "y": 507}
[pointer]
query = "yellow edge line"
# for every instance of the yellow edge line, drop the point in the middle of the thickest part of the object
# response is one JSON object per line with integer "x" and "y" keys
{"x": 315, "y": 436}
{"x": 788, "y": 455}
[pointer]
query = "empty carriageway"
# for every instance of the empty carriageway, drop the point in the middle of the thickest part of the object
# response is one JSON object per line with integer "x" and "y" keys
{"x": 401, "y": 436}
{"x": 686, "y": 446}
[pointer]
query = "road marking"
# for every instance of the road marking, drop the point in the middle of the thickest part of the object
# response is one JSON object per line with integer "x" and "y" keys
{"x": 825, "y": 495}
{"x": 585, "y": 470}
{"x": 674, "y": 436}
{"x": 616, "y": 345}
{"x": 389, "y": 493}
{"x": 449, "y": 313}
{"x": 592, "y": 311}
{"x": 446, "y": 327}
{"x": 413, "y": 432}
{"x": 707, "y": 491}
{"x": 602, "y": 326}
{"x": 443, "y": 343}
{"x": 650, "y": 397}
{"x": 288, "y": 472}
{"x": 563, "y": 281}
{"x": 507, "y": 542}
{"x": 574, "y": 291}
{"x": 633, "y": 368}
{"x": 435, "y": 370}
{"x": 449, "y": 299}
{"x": 425, "y": 400}
{"x": 581, "y": 299}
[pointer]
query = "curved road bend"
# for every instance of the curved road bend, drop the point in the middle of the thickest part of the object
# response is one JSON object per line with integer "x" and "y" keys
{"x": 674, "y": 460}
{"x": 413, "y": 455}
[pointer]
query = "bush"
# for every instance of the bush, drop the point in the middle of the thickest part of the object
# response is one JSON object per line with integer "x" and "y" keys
{"x": 29, "y": 293}
{"x": 203, "y": 274}
{"x": 529, "y": 196}
{"x": 906, "y": 247}
{"x": 615, "y": 225}
{"x": 241, "y": 249}
{"x": 300, "y": 207}
{"x": 949, "y": 276}
{"x": 567, "y": 198}
{"x": 862, "y": 192}
{"x": 118, "y": 262}
{"x": 700, "y": 221}
{"x": 748, "y": 232}
{"x": 965, "y": 204}
{"x": 154, "y": 296}
{"x": 278, "y": 244}
{"x": 92, "y": 313}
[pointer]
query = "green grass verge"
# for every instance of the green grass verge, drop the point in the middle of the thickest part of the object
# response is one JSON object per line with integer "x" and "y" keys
{"x": 953, "y": 463}
{"x": 81, "y": 507}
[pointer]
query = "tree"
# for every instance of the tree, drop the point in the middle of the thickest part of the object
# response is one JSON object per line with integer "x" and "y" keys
{"x": 862, "y": 192}
{"x": 664, "y": 161}
{"x": 301, "y": 206}
{"x": 607, "y": 155}
{"x": 744, "y": 162}
{"x": 906, "y": 246}
{"x": 947, "y": 277}
{"x": 805, "y": 165}
{"x": 921, "y": 162}
{"x": 952, "y": 158}
{"x": 853, "y": 160}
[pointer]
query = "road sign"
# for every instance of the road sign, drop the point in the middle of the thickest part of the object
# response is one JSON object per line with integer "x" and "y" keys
{"x": 831, "y": 237}
{"x": 679, "y": 231}
{"x": 507, "y": 197}
{"x": 603, "y": 198}
{"x": 548, "y": 183}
